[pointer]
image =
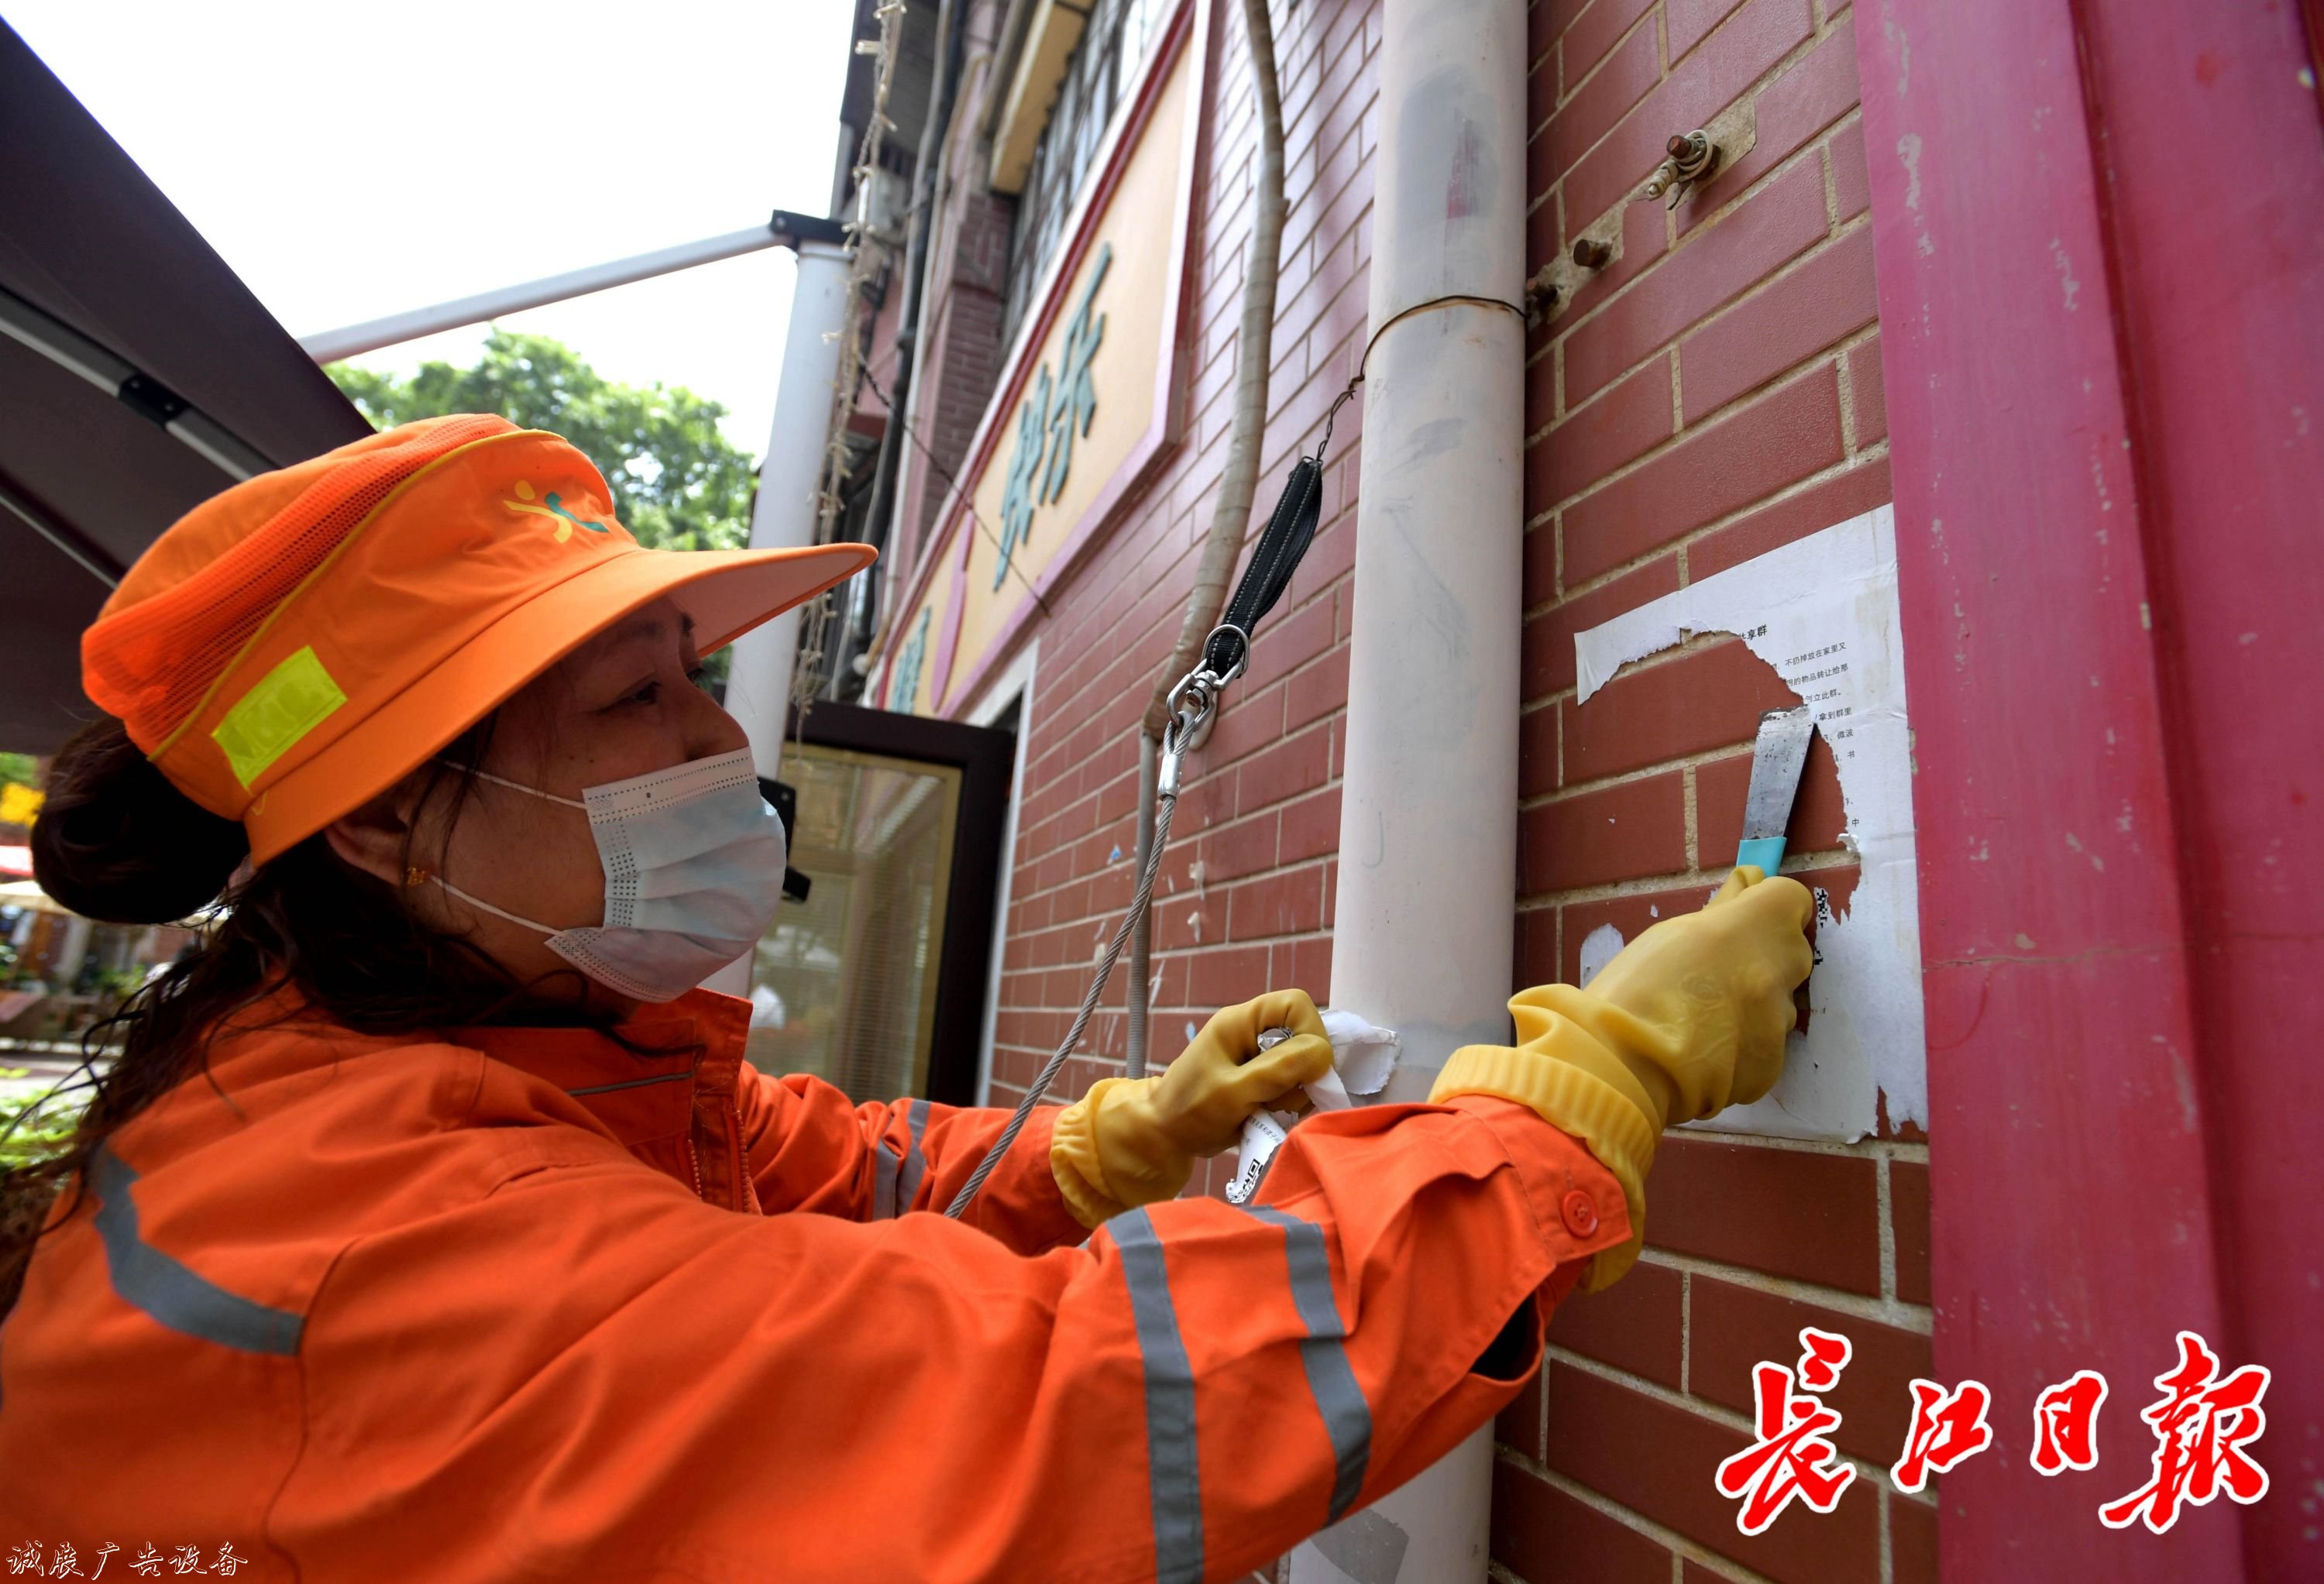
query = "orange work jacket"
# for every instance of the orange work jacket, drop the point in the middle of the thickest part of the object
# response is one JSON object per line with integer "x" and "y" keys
{"x": 528, "y": 1305}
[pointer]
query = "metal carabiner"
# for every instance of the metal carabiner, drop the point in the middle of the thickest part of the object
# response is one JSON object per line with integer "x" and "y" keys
{"x": 1192, "y": 704}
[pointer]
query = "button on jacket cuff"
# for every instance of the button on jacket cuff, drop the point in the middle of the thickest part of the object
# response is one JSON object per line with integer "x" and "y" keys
{"x": 1575, "y": 1084}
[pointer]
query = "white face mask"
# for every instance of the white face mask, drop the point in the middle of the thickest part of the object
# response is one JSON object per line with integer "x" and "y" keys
{"x": 693, "y": 862}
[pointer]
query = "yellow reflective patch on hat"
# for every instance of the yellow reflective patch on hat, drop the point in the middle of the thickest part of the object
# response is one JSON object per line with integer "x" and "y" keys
{"x": 289, "y": 701}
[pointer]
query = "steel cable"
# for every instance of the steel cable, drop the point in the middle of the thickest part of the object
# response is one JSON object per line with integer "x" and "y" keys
{"x": 1139, "y": 903}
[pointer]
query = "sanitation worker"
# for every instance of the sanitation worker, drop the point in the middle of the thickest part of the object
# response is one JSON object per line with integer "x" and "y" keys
{"x": 431, "y": 1225}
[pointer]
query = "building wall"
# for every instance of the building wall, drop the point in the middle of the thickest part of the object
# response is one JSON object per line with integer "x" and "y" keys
{"x": 1244, "y": 899}
{"x": 1715, "y": 392}
{"x": 958, "y": 362}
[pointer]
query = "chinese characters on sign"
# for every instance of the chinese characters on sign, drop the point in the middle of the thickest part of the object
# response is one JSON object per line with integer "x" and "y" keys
{"x": 904, "y": 682}
{"x": 64, "y": 1561}
{"x": 2203, "y": 1424}
{"x": 1017, "y": 498}
{"x": 1049, "y": 422}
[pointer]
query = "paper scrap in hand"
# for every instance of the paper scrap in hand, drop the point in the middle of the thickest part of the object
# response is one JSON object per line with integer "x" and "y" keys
{"x": 1363, "y": 1055}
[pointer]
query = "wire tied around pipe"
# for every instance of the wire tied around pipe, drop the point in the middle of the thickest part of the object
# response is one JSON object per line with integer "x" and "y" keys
{"x": 1449, "y": 299}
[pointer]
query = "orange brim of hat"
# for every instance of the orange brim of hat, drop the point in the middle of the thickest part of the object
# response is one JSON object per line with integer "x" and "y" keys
{"x": 726, "y": 592}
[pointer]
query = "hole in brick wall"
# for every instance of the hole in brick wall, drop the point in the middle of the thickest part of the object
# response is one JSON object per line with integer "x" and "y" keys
{"x": 1651, "y": 759}
{"x": 1696, "y": 701}
{"x": 1702, "y": 704}
{"x": 1673, "y": 705}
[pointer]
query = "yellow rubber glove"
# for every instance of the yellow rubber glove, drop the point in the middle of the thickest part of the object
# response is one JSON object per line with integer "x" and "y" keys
{"x": 1131, "y": 1141}
{"x": 1687, "y": 1019}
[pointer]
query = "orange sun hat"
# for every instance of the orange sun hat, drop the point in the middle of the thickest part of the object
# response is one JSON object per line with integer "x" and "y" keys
{"x": 292, "y": 647}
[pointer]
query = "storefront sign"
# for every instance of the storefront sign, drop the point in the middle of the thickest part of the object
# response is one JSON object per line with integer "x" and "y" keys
{"x": 913, "y": 657}
{"x": 1089, "y": 409}
{"x": 1043, "y": 462}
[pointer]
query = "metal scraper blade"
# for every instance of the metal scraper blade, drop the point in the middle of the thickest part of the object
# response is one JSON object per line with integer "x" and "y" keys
{"x": 1777, "y": 759}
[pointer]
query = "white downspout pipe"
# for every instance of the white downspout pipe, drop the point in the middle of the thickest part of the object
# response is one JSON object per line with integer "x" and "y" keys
{"x": 1422, "y": 939}
{"x": 784, "y": 515}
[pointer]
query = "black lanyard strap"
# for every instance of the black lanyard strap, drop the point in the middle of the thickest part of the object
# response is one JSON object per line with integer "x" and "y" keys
{"x": 1289, "y": 530}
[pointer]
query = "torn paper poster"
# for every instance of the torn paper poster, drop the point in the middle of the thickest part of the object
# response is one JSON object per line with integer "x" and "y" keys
{"x": 1362, "y": 1058}
{"x": 1822, "y": 612}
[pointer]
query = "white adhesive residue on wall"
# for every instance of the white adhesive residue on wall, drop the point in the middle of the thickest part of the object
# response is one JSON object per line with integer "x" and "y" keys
{"x": 1598, "y": 949}
{"x": 1822, "y": 612}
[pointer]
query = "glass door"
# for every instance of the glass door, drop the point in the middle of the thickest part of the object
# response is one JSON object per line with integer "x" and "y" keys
{"x": 876, "y": 979}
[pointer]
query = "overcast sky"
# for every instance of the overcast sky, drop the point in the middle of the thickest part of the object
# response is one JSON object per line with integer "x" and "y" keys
{"x": 351, "y": 160}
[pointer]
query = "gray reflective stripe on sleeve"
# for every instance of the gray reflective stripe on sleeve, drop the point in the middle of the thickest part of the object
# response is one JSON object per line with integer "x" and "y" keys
{"x": 1347, "y": 1417}
{"x": 916, "y": 1164}
{"x": 883, "y": 1183}
{"x": 147, "y": 1279}
{"x": 1172, "y": 1470}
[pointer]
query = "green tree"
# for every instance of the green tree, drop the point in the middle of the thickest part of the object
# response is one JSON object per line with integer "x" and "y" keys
{"x": 30, "y": 1130}
{"x": 678, "y": 483}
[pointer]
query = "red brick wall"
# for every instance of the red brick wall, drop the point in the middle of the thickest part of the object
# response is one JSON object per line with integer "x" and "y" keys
{"x": 1712, "y": 393}
{"x": 1246, "y": 894}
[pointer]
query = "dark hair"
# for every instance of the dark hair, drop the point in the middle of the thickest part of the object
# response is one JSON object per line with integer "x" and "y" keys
{"x": 115, "y": 841}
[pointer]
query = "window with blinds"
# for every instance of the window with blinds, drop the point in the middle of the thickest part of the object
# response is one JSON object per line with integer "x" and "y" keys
{"x": 1103, "y": 68}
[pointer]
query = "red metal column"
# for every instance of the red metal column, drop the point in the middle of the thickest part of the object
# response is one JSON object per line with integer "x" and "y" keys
{"x": 2098, "y": 296}
{"x": 2214, "y": 202}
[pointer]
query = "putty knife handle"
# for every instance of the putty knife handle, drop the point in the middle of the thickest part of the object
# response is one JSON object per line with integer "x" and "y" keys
{"x": 1767, "y": 854}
